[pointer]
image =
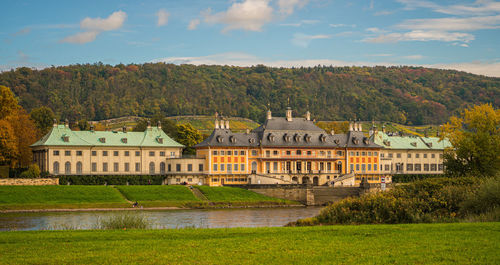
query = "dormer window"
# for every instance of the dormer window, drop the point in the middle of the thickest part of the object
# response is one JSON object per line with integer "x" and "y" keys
{"x": 429, "y": 144}
{"x": 366, "y": 141}
{"x": 102, "y": 140}
{"x": 386, "y": 142}
{"x": 219, "y": 139}
{"x": 414, "y": 144}
{"x": 232, "y": 139}
{"x": 65, "y": 138}
{"x": 287, "y": 138}
{"x": 251, "y": 140}
{"x": 160, "y": 140}
{"x": 124, "y": 140}
{"x": 322, "y": 138}
{"x": 336, "y": 141}
{"x": 297, "y": 138}
{"x": 271, "y": 137}
{"x": 307, "y": 138}
{"x": 355, "y": 140}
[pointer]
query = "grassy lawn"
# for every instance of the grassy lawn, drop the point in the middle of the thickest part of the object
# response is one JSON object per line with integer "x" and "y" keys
{"x": 454, "y": 243}
{"x": 151, "y": 196}
{"x": 236, "y": 195}
{"x": 52, "y": 197}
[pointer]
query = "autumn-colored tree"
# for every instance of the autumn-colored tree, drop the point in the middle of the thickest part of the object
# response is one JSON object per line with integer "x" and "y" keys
{"x": 43, "y": 118}
{"x": 168, "y": 126}
{"x": 336, "y": 126}
{"x": 8, "y": 143}
{"x": 188, "y": 136}
{"x": 8, "y": 103}
{"x": 475, "y": 136}
{"x": 26, "y": 134}
{"x": 83, "y": 125}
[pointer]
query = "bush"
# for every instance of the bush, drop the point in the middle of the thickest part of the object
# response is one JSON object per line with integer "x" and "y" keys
{"x": 111, "y": 180}
{"x": 124, "y": 221}
{"x": 33, "y": 171}
{"x": 406, "y": 178}
{"x": 484, "y": 199}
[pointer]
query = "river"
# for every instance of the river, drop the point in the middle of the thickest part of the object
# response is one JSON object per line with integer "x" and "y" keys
{"x": 167, "y": 219}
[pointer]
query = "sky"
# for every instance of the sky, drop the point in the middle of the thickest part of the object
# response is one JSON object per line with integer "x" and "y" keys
{"x": 461, "y": 35}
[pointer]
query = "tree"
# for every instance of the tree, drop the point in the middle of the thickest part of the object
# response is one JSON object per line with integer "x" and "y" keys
{"x": 83, "y": 125}
{"x": 475, "y": 137}
{"x": 168, "y": 126}
{"x": 8, "y": 143}
{"x": 43, "y": 118}
{"x": 8, "y": 103}
{"x": 26, "y": 134}
{"x": 188, "y": 136}
{"x": 33, "y": 171}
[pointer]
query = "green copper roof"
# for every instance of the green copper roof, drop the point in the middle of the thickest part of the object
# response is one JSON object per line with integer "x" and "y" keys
{"x": 409, "y": 142}
{"x": 60, "y": 135}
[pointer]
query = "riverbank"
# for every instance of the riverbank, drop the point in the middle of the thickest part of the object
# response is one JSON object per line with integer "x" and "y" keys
{"x": 452, "y": 243}
{"x": 107, "y": 198}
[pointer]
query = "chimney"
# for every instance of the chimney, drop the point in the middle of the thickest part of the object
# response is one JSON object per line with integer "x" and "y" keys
{"x": 92, "y": 127}
{"x": 289, "y": 114}
{"x": 360, "y": 128}
{"x": 55, "y": 123}
{"x": 216, "y": 123}
{"x": 269, "y": 115}
{"x": 159, "y": 124}
{"x": 350, "y": 127}
{"x": 332, "y": 132}
{"x": 66, "y": 123}
{"x": 248, "y": 131}
{"x": 227, "y": 124}
{"x": 308, "y": 116}
{"x": 149, "y": 124}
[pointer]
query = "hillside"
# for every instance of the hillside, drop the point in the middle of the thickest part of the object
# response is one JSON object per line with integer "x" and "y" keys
{"x": 407, "y": 95}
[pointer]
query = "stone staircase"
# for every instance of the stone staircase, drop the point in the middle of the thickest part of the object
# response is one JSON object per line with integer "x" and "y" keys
{"x": 324, "y": 195}
{"x": 344, "y": 177}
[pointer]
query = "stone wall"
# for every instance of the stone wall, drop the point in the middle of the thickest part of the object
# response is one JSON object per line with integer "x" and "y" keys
{"x": 294, "y": 192}
{"x": 28, "y": 182}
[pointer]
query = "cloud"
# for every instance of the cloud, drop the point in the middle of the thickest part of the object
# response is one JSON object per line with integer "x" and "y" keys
{"x": 193, "y": 24}
{"x": 243, "y": 59}
{"x": 301, "y": 23}
{"x": 342, "y": 25}
{"x": 452, "y": 24}
{"x": 375, "y": 30}
{"x": 479, "y": 7}
{"x": 383, "y": 13}
{"x": 303, "y": 40}
{"x": 94, "y": 26}
{"x": 287, "y": 7}
{"x": 420, "y": 35}
{"x": 413, "y": 57}
{"x": 249, "y": 15}
{"x": 380, "y": 55}
{"x": 22, "y": 31}
{"x": 162, "y": 15}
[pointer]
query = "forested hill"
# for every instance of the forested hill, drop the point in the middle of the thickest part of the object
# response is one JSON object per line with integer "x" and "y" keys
{"x": 408, "y": 95}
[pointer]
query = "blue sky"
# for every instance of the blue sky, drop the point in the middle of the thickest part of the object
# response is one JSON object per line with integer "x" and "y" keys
{"x": 463, "y": 35}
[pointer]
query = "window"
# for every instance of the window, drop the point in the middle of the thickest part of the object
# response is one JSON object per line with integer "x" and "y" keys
{"x": 78, "y": 153}
{"x": 357, "y": 153}
{"x": 382, "y": 155}
{"x": 162, "y": 153}
{"x": 254, "y": 166}
{"x": 67, "y": 168}
{"x": 169, "y": 167}
{"x": 409, "y": 155}
{"x": 116, "y": 167}
{"x": 104, "y": 153}
{"x": 137, "y": 167}
{"x": 67, "y": 153}
{"x": 235, "y": 167}
{"x": 200, "y": 167}
{"x": 254, "y": 152}
{"x": 94, "y": 167}
{"x": 190, "y": 179}
{"x": 375, "y": 153}
{"x": 363, "y": 167}
{"x": 229, "y": 153}
{"x": 329, "y": 167}
{"x": 94, "y": 153}
{"x": 55, "y": 153}
{"x": 398, "y": 155}
{"x": 229, "y": 167}
{"x": 409, "y": 167}
{"x": 387, "y": 168}
{"x": 242, "y": 153}
{"x": 79, "y": 167}
{"x": 242, "y": 167}
{"x": 390, "y": 155}
{"x": 214, "y": 153}
{"x": 275, "y": 152}
{"x": 115, "y": 153}
{"x": 321, "y": 166}
{"x": 190, "y": 167}
{"x": 221, "y": 167}
{"x": 369, "y": 167}
{"x": 151, "y": 168}
{"x": 268, "y": 153}
{"x": 369, "y": 153}
{"x": 222, "y": 152}
{"x": 299, "y": 152}
{"x": 127, "y": 167}
{"x": 137, "y": 153}
{"x": 105, "y": 167}
{"x": 127, "y": 153}
{"x": 288, "y": 152}
{"x": 433, "y": 155}
{"x": 418, "y": 167}
{"x": 172, "y": 154}
{"x": 440, "y": 167}
{"x": 178, "y": 167}
{"x": 426, "y": 167}
{"x": 375, "y": 167}
{"x": 275, "y": 166}
{"x": 351, "y": 153}
{"x": 177, "y": 180}
{"x": 151, "y": 153}
{"x": 363, "y": 153}
{"x": 357, "y": 167}
{"x": 268, "y": 167}
{"x": 162, "y": 168}
{"x": 215, "y": 167}
{"x": 55, "y": 167}
{"x": 425, "y": 155}
{"x": 352, "y": 168}
{"x": 417, "y": 156}
{"x": 309, "y": 153}
{"x": 433, "y": 167}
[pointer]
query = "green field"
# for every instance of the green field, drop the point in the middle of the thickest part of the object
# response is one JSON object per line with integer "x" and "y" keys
{"x": 154, "y": 196}
{"x": 454, "y": 243}
{"x": 58, "y": 197}
{"x": 235, "y": 195}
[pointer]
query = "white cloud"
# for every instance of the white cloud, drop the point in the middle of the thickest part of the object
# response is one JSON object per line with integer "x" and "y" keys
{"x": 375, "y": 30}
{"x": 453, "y": 24}
{"x": 383, "y": 13}
{"x": 303, "y": 40}
{"x": 243, "y": 59}
{"x": 162, "y": 15}
{"x": 95, "y": 26}
{"x": 342, "y": 25}
{"x": 420, "y": 35}
{"x": 249, "y": 15}
{"x": 22, "y": 31}
{"x": 193, "y": 24}
{"x": 479, "y": 7}
{"x": 413, "y": 57}
{"x": 301, "y": 23}
{"x": 287, "y": 7}
{"x": 380, "y": 55}
{"x": 82, "y": 37}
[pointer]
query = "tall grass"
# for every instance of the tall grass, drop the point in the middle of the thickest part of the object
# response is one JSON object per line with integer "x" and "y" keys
{"x": 123, "y": 221}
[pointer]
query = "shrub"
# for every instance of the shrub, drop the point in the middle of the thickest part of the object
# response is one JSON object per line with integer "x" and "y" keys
{"x": 483, "y": 199}
{"x": 111, "y": 180}
{"x": 33, "y": 171}
{"x": 124, "y": 221}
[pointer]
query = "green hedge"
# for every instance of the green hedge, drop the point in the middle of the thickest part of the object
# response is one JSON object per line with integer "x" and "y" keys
{"x": 111, "y": 180}
{"x": 406, "y": 178}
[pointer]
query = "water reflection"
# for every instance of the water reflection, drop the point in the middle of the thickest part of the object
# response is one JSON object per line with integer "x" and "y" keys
{"x": 160, "y": 219}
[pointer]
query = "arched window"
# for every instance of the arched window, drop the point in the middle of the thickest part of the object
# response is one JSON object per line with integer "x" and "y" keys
{"x": 151, "y": 168}
{"x": 339, "y": 167}
{"x": 162, "y": 168}
{"x": 67, "y": 168}
{"x": 56, "y": 168}
{"x": 254, "y": 166}
{"x": 79, "y": 168}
